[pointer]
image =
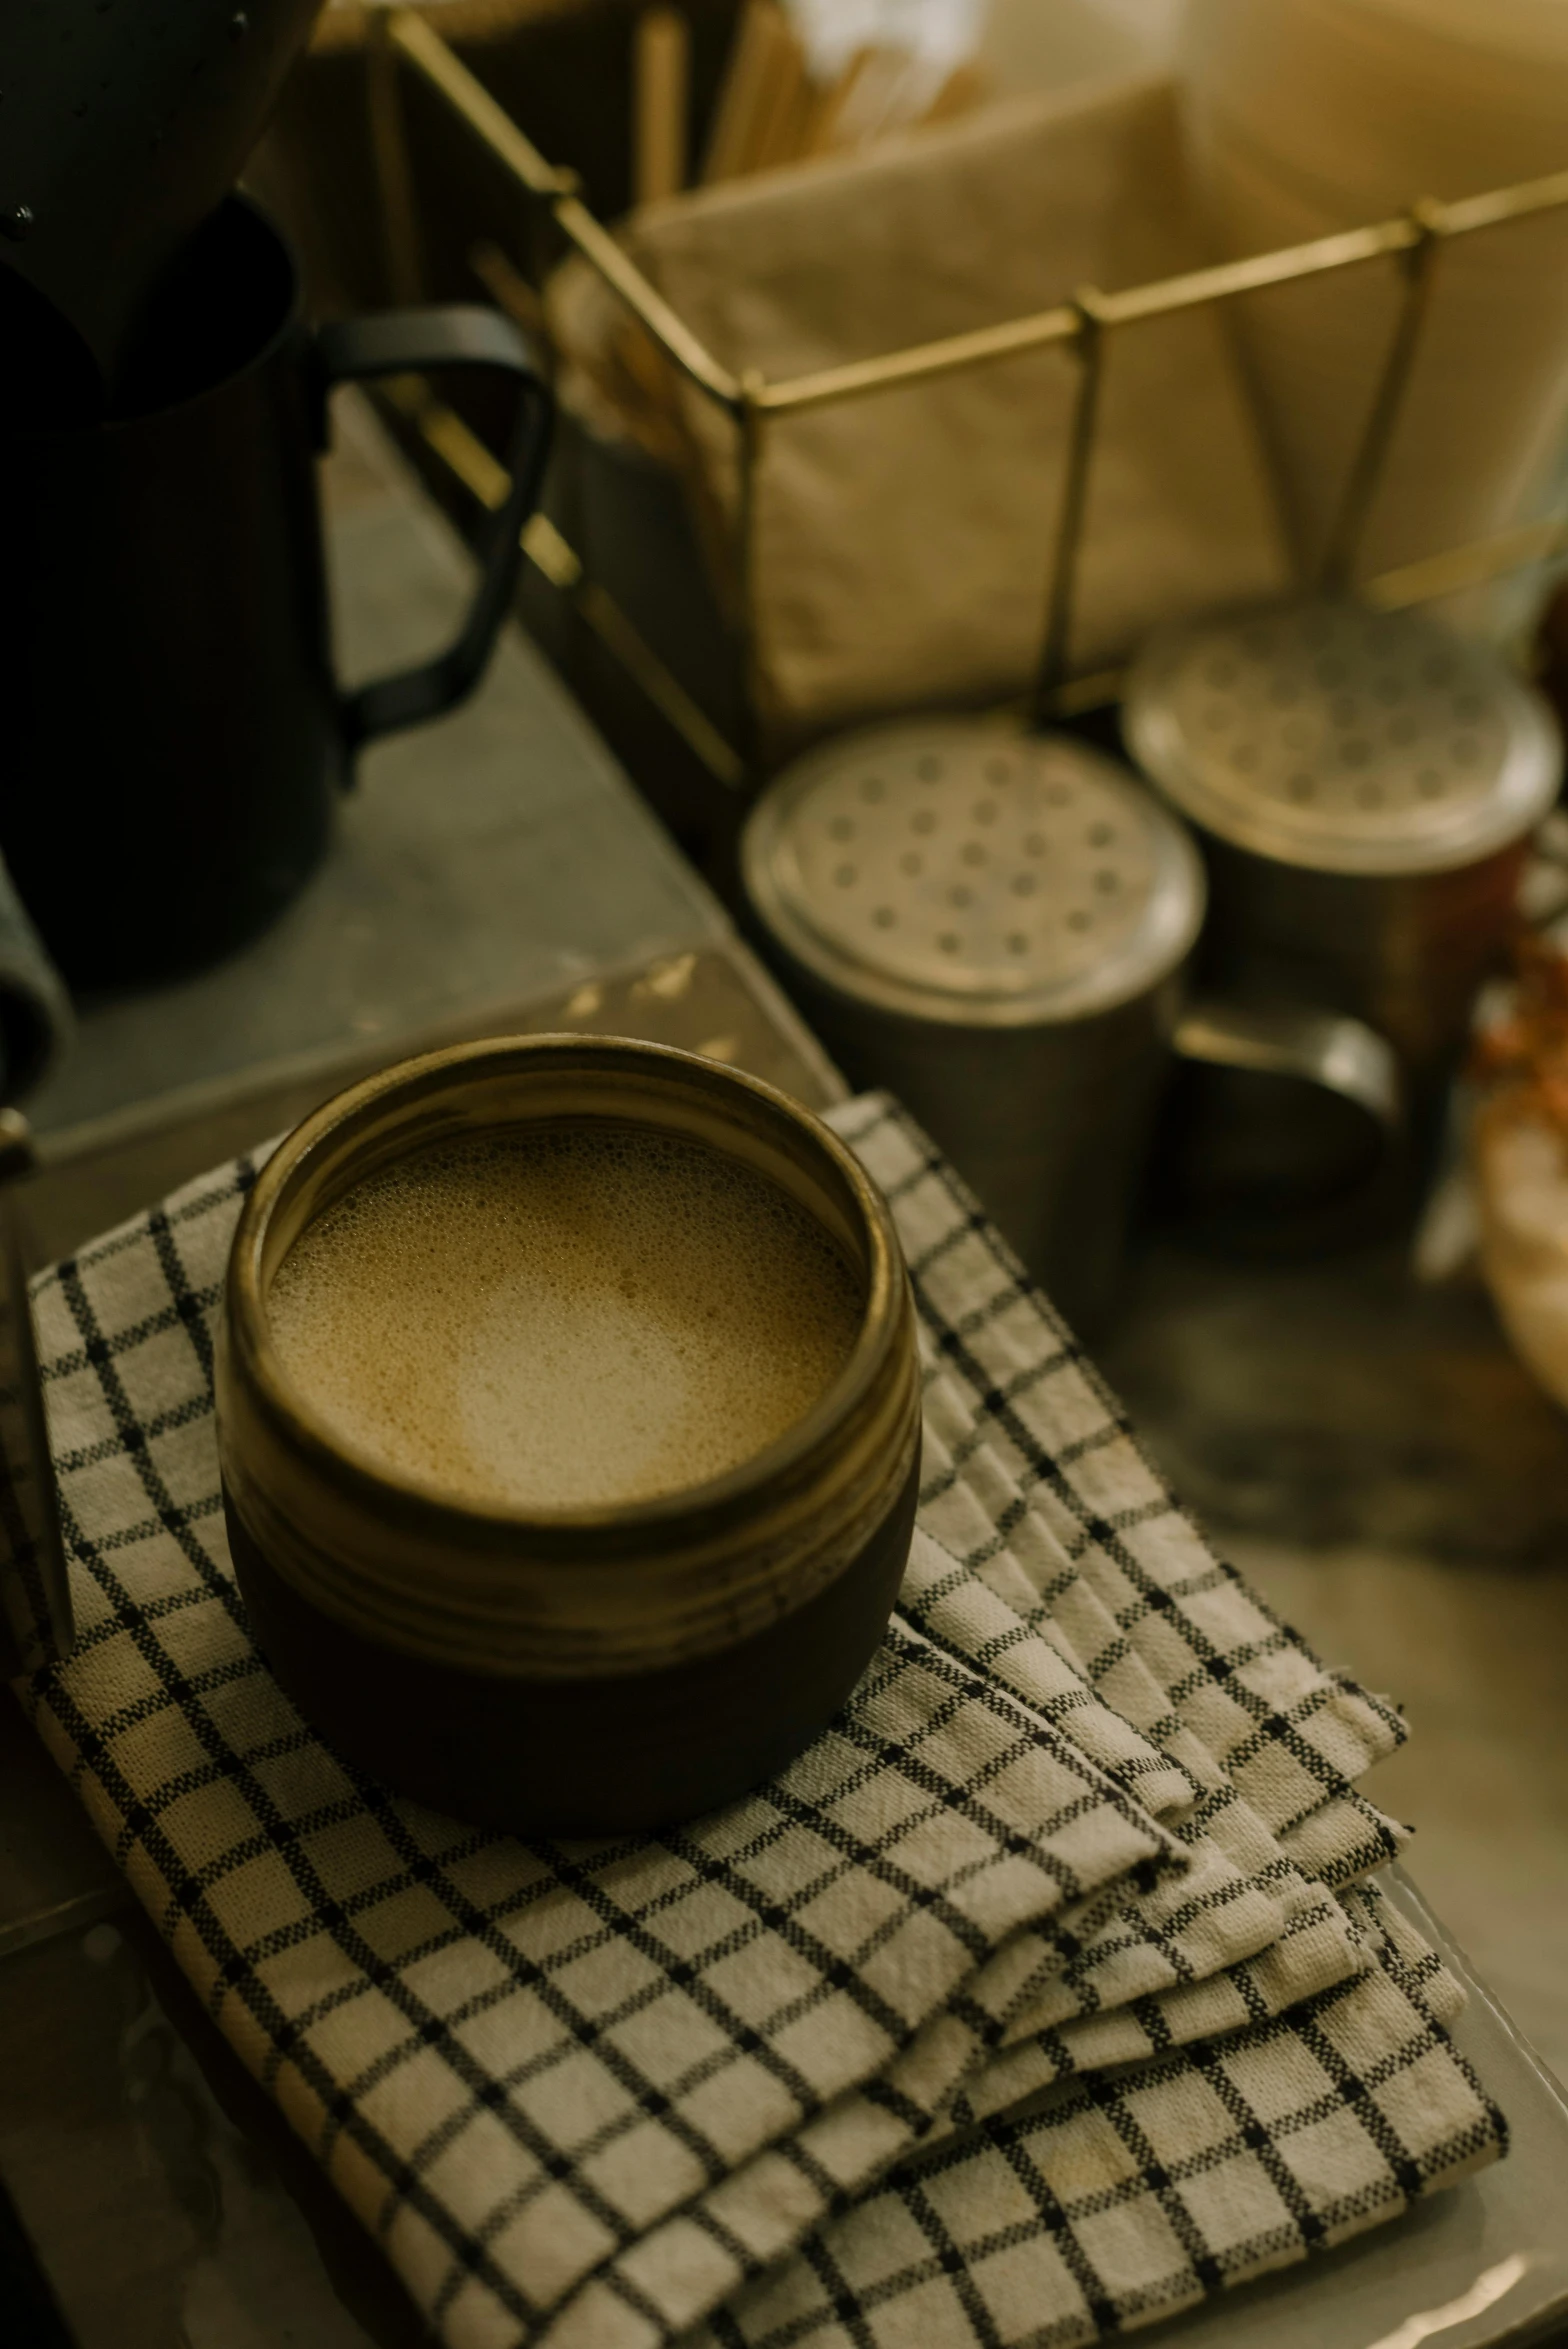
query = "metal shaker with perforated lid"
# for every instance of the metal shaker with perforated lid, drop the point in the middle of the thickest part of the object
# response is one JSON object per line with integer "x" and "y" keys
{"x": 997, "y": 926}
{"x": 1366, "y": 784}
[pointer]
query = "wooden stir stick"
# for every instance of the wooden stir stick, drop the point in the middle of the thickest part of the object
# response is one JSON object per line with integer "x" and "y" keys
{"x": 662, "y": 86}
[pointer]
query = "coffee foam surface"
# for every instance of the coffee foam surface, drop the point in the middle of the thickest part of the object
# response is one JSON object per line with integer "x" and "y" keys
{"x": 563, "y": 1317}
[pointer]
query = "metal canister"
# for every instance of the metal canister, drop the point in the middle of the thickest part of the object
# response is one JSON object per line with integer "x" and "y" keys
{"x": 995, "y": 926}
{"x": 1365, "y": 784}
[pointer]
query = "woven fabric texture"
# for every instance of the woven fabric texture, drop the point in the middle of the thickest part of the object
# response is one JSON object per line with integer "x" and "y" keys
{"x": 1023, "y": 2004}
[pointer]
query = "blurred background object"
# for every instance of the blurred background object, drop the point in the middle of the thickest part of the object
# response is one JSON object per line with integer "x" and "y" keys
{"x": 1313, "y": 116}
{"x": 565, "y": 71}
{"x": 1024, "y": 45}
{"x": 823, "y": 77}
{"x": 1550, "y": 651}
{"x": 1520, "y": 1158}
{"x": 1365, "y": 786}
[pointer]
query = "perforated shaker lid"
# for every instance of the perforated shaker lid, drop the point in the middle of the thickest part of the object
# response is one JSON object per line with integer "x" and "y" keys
{"x": 1328, "y": 735}
{"x": 957, "y": 872}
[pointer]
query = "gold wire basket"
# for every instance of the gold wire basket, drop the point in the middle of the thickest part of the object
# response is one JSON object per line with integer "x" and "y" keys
{"x": 401, "y": 40}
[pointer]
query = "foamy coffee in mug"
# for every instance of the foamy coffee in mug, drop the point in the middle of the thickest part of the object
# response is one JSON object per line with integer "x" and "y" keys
{"x": 568, "y": 1318}
{"x": 569, "y": 1420}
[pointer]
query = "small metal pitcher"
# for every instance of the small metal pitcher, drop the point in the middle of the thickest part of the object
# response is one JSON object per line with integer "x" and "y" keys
{"x": 1365, "y": 785}
{"x": 999, "y": 928}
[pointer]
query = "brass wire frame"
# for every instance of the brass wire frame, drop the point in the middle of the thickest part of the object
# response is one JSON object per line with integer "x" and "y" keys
{"x": 1081, "y": 327}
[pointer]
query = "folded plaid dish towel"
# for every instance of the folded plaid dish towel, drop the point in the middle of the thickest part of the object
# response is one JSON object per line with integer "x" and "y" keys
{"x": 1039, "y": 1997}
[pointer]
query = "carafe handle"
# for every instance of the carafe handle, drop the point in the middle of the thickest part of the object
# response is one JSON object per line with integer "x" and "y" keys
{"x": 400, "y": 342}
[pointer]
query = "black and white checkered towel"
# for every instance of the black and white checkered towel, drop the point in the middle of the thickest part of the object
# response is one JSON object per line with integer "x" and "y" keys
{"x": 1039, "y": 1996}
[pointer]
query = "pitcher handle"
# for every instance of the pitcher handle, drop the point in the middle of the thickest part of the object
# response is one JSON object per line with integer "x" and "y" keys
{"x": 401, "y": 342}
{"x": 1341, "y": 1055}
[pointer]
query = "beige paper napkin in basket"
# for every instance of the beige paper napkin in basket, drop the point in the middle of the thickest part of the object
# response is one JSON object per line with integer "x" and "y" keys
{"x": 1308, "y": 118}
{"x": 903, "y": 540}
{"x": 604, "y": 2093}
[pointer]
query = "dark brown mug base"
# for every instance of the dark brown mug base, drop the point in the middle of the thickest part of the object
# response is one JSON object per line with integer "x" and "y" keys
{"x": 590, "y": 1756}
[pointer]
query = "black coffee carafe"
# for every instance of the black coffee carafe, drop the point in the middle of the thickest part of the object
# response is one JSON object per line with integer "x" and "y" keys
{"x": 173, "y": 737}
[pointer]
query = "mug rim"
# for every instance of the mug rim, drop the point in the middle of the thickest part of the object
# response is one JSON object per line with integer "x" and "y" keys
{"x": 712, "y": 1504}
